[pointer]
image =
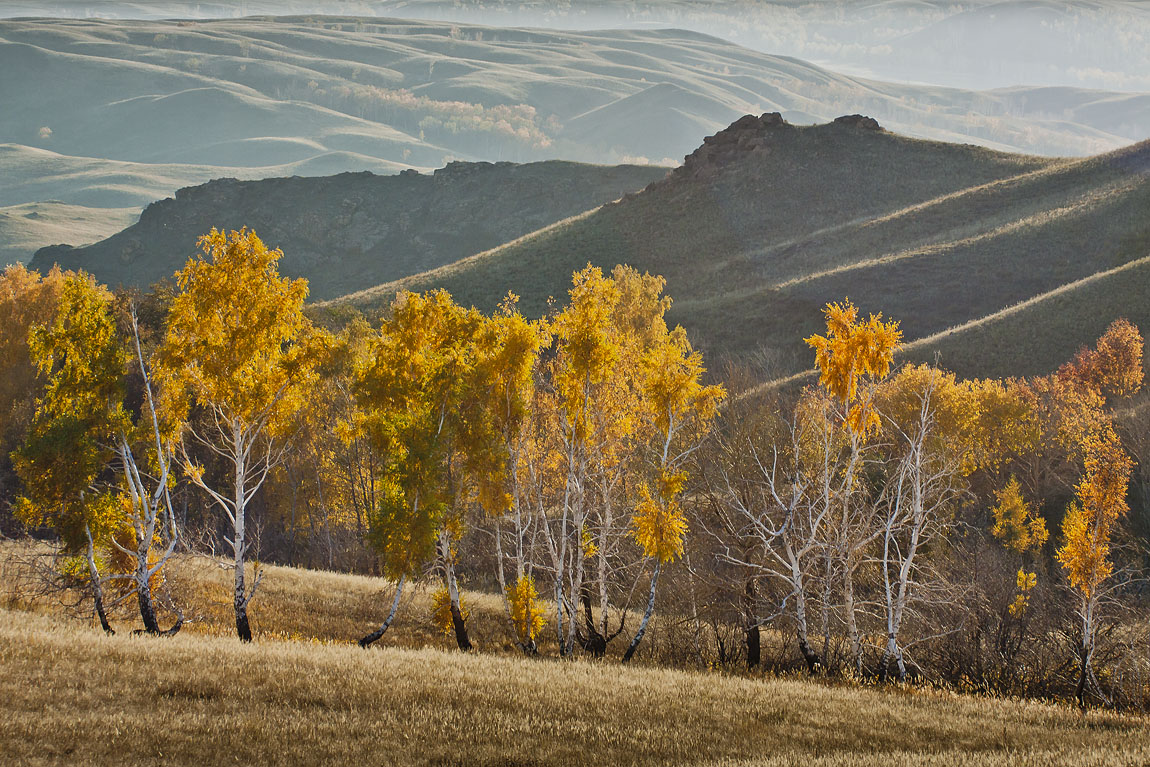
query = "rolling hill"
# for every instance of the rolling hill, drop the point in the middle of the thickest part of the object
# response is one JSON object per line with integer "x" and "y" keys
{"x": 111, "y": 114}
{"x": 355, "y": 229}
{"x": 768, "y": 221}
{"x": 973, "y": 44}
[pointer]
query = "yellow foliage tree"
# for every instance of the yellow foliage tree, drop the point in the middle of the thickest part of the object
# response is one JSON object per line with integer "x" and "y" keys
{"x": 1015, "y": 523}
{"x": 79, "y": 464}
{"x": 682, "y": 409}
{"x": 236, "y": 348}
{"x": 854, "y": 352}
{"x": 527, "y": 616}
{"x": 1020, "y": 530}
{"x": 27, "y": 299}
{"x": 1087, "y": 529}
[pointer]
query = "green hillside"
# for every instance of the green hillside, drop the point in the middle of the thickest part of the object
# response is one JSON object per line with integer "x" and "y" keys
{"x": 355, "y": 229}
{"x": 766, "y": 222}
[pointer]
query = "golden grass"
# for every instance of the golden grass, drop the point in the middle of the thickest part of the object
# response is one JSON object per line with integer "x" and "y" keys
{"x": 303, "y": 694}
{"x": 73, "y": 695}
{"x": 291, "y": 603}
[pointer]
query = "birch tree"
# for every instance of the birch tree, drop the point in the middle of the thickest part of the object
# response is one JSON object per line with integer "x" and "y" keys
{"x": 507, "y": 374}
{"x": 427, "y": 419}
{"x": 1085, "y": 555}
{"x": 87, "y": 465}
{"x": 682, "y": 409}
{"x": 235, "y": 351}
{"x": 915, "y": 508}
{"x": 852, "y": 359}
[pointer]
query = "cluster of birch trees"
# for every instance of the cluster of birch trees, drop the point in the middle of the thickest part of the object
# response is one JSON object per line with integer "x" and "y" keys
{"x": 885, "y": 521}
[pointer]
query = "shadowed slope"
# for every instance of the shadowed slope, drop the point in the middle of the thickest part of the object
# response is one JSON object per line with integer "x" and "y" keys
{"x": 766, "y": 222}
{"x": 346, "y": 231}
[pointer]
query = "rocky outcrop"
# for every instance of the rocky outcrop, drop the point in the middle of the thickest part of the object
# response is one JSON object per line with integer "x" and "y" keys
{"x": 354, "y": 230}
{"x": 747, "y": 134}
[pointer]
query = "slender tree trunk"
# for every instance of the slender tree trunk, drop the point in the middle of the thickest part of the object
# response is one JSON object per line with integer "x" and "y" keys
{"x": 852, "y": 620}
{"x": 753, "y": 638}
{"x": 457, "y": 620}
{"x": 97, "y": 588}
{"x": 825, "y": 612}
{"x": 239, "y": 548}
{"x": 596, "y": 643}
{"x": 646, "y": 616}
{"x": 144, "y": 598}
{"x": 1085, "y": 651}
{"x": 810, "y": 657}
{"x": 366, "y": 641}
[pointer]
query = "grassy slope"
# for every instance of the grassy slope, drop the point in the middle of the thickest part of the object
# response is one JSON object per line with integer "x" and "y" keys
{"x": 73, "y": 695}
{"x": 303, "y": 92}
{"x": 24, "y": 229}
{"x": 753, "y": 241}
{"x": 348, "y": 230}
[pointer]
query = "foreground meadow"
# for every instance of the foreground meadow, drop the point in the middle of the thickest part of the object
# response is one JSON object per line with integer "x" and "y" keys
{"x": 305, "y": 694}
{"x": 73, "y": 695}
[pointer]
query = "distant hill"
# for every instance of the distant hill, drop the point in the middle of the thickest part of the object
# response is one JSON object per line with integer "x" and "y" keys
{"x": 354, "y": 229}
{"x": 972, "y": 44}
{"x": 767, "y": 221}
{"x": 114, "y": 114}
{"x": 24, "y": 228}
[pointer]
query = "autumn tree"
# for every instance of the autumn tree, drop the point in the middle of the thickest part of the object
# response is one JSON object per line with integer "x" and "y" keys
{"x": 589, "y": 420}
{"x": 852, "y": 358}
{"x": 921, "y": 488}
{"x": 27, "y": 299}
{"x": 1019, "y": 529}
{"x": 87, "y": 463}
{"x": 426, "y": 418}
{"x": 1113, "y": 368}
{"x": 601, "y": 414}
{"x": 235, "y": 351}
{"x": 506, "y": 378}
{"x": 1087, "y": 530}
{"x": 681, "y": 409}
{"x": 63, "y": 462}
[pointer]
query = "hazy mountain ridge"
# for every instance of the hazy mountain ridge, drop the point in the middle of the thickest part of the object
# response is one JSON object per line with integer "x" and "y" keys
{"x": 352, "y": 229}
{"x": 973, "y": 44}
{"x": 116, "y": 114}
{"x": 767, "y": 221}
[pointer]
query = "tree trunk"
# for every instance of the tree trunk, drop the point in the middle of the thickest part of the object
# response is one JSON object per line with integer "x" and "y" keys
{"x": 596, "y": 642}
{"x": 147, "y": 610}
{"x": 1085, "y": 651}
{"x": 892, "y": 653}
{"x": 753, "y": 638}
{"x": 97, "y": 588}
{"x": 460, "y": 626}
{"x": 379, "y": 632}
{"x": 852, "y": 622}
{"x": 646, "y": 616}
{"x": 239, "y": 548}
{"x": 754, "y": 645}
{"x": 457, "y": 621}
{"x": 825, "y": 613}
{"x": 810, "y": 657}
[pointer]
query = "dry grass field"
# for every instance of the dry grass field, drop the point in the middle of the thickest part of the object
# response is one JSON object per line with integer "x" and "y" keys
{"x": 72, "y": 695}
{"x": 302, "y": 694}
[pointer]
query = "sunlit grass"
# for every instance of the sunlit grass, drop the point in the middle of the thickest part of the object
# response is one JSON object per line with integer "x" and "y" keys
{"x": 73, "y": 695}
{"x": 303, "y": 693}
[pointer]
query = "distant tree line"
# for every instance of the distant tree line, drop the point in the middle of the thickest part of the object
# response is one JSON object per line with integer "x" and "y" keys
{"x": 888, "y": 522}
